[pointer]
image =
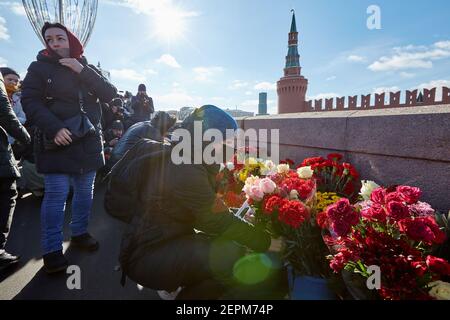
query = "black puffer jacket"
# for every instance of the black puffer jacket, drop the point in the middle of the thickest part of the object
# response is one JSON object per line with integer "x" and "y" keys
{"x": 9, "y": 124}
{"x": 50, "y": 95}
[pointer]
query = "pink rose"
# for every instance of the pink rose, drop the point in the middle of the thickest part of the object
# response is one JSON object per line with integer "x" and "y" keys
{"x": 267, "y": 185}
{"x": 255, "y": 193}
{"x": 378, "y": 195}
{"x": 409, "y": 194}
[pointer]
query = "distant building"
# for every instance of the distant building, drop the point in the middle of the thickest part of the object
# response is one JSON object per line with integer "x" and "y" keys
{"x": 239, "y": 113}
{"x": 262, "y": 105}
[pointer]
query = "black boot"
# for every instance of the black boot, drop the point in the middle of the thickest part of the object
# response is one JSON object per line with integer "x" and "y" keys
{"x": 7, "y": 260}
{"x": 55, "y": 262}
{"x": 85, "y": 242}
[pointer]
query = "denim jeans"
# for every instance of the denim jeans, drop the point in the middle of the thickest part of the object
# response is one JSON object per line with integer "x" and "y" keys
{"x": 57, "y": 188}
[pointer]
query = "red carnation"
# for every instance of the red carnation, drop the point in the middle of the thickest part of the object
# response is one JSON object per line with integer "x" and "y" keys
{"x": 334, "y": 157}
{"x": 321, "y": 220}
{"x": 310, "y": 161}
{"x": 409, "y": 194}
{"x": 288, "y": 161}
{"x": 422, "y": 229}
{"x": 378, "y": 196}
{"x": 438, "y": 265}
{"x": 272, "y": 203}
{"x": 293, "y": 213}
{"x": 397, "y": 210}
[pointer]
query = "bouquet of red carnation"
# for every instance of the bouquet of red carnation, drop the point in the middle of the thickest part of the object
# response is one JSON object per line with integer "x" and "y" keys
{"x": 334, "y": 176}
{"x": 284, "y": 203}
{"x": 393, "y": 231}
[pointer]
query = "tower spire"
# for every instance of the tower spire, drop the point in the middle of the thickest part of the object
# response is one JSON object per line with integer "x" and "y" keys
{"x": 292, "y": 67}
{"x": 293, "y": 23}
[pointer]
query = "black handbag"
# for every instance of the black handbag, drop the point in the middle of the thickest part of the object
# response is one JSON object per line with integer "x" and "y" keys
{"x": 80, "y": 126}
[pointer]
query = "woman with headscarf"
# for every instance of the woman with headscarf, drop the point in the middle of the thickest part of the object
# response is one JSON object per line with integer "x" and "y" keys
{"x": 61, "y": 96}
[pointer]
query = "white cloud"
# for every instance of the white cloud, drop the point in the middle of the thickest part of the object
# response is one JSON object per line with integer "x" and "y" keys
{"x": 250, "y": 104}
{"x": 176, "y": 100}
{"x": 16, "y": 7}
{"x": 169, "y": 60}
{"x": 238, "y": 84}
{"x": 150, "y": 72}
{"x": 265, "y": 86}
{"x": 206, "y": 73}
{"x": 248, "y": 93}
{"x": 380, "y": 90}
{"x": 331, "y": 78}
{"x": 438, "y": 84}
{"x": 443, "y": 45}
{"x": 3, "y": 62}
{"x": 407, "y": 75}
{"x": 324, "y": 96}
{"x": 412, "y": 57}
{"x": 3, "y": 29}
{"x": 356, "y": 58}
{"x": 127, "y": 75}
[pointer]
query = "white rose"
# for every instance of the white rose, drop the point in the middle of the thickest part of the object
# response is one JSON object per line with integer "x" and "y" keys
{"x": 293, "y": 195}
{"x": 440, "y": 290}
{"x": 367, "y": 188}
{"x": 283, "y": 168}
{"x": 269, "y": 168}
{"x": 230, "y": 166}
{"x": 305, "y": 172}
{"x": 252, "y": 180}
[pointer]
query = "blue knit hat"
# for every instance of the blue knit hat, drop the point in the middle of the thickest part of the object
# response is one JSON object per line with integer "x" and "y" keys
{"x": 212, "y": 117}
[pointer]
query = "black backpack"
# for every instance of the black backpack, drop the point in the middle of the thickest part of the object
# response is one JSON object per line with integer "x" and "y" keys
{"x": 127, "y": 176}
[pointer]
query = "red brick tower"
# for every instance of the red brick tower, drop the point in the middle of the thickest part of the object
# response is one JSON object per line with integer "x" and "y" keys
{"x": 292, "y": 87}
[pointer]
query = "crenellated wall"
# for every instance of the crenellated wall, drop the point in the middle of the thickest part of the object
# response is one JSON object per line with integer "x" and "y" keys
{"x": 412, "y": 99}
{"x": 399, "y": 145}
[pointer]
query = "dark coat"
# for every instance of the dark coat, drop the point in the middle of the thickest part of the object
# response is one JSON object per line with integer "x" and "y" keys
{"x": 141, "y": 130}
{"x": 9, "y": 124}
{"x": 173, "y": 200}
{"x": 50, "y": 95}
{"x": 142, "y": 108}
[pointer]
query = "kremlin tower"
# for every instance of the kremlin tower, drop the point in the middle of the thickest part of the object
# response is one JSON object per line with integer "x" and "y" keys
{"x": 291, "y": 88}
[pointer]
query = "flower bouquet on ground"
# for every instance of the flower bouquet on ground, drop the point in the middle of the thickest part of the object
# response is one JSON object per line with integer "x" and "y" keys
{"x": 333, "y": 176}
{"x": 388, "y": 240}
{"x": 233, "y": 174}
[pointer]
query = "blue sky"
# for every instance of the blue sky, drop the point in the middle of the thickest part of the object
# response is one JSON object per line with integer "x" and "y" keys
{"x": 198, "y": 52}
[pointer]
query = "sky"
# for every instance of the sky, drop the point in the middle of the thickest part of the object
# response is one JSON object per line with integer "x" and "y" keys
{"x": 196, "y": 52}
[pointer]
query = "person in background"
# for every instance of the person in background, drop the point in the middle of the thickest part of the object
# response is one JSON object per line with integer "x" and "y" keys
{"x": 156, "y": 129}
{"x": 9, "y": 172}
{"x": 12, "y": 85}
{"x": 58, "y": 87}
{"x": 142, "y": 105}
{"x": 112, "y": 112}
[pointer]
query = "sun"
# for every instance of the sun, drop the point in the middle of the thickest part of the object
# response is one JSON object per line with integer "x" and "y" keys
{"x": 169, "y": 24}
